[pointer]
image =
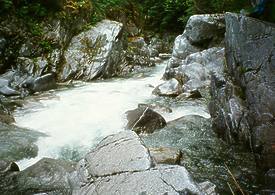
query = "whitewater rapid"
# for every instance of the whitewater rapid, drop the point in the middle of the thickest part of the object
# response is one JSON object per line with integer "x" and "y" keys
{"x": 77, "y": 118}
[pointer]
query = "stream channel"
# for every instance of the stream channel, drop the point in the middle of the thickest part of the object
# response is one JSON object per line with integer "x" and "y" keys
{"x": 77, "y": 118}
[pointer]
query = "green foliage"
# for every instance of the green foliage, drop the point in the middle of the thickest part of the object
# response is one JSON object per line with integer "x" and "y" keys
{"x": 101, "y": 8}
{"x": 168, "y": 14}
{"x": 23, "y": 8}
{"x": 219, "y": 6}
{"x": 35, "y": 10}
{"x": 5, "y": 5}
{"x": 158, "y": 15}
{"x": 46, "y": 45}
{"x": 35, "y": 28}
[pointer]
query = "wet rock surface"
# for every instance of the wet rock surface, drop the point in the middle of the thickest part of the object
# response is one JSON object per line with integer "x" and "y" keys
{"x": 269, "y": 182}
{"x": 49, "y": 176}
{"x": 250, "y": 64}
{"x": 232, "y": 124}
{"x": 156, "y": 107}
{"x": 208, "y": 188}
{"x": 8, "y": 166}
{"x": 17, "y": 143}
{"x": 42, "y": 83}
{"x": 144, "y": 120}
{"x": 203, "y": 153}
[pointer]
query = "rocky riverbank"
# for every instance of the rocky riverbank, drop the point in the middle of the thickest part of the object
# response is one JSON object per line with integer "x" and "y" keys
{"x": 237, "y": 68}
{"x": 242, "y": 105}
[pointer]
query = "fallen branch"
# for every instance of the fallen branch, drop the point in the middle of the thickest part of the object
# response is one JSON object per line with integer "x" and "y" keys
{"x": 230, "y": 188}
{"x": 235, "y": 181}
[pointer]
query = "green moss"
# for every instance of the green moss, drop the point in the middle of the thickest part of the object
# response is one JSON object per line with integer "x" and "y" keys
{"x": 35, "y": 28}
{"x": 46, "y": 45}
{"x": 242, "y": 70}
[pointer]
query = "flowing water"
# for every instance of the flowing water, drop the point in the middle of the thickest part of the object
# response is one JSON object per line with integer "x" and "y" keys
{"x": 75, "y": 119}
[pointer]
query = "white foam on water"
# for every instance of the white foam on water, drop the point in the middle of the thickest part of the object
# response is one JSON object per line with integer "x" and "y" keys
{"x": 79, "y": 117}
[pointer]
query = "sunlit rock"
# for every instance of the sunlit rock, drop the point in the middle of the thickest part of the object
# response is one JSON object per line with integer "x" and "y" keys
{"x": 168, "y": 88}
{"x": 94, "y": 53}
{"x": 197, "y": 68}
{"x": 123, "y": 152}
{"x": 121, "y": 164}
{"x": 182, "y": 48}
{"x": 202, "y": 29}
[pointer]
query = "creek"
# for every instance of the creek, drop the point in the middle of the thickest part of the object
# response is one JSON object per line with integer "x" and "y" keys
{"x": 77, "y": 118}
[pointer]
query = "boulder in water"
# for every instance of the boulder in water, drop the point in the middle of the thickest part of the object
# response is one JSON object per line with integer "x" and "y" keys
{"x": 17, "y": 143}
{"x": 8, "y": 91}
{"x": 170, "y": 88}
{"x": 42, "y": 83}
{"x": 47, "y": 176}
{"x": 144, "y": 120}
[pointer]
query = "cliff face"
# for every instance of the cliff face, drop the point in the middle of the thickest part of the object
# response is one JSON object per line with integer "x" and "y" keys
{"x": 243, "y": 105}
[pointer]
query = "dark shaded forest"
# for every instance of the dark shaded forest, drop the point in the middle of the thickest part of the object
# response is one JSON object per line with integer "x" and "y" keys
{"x": 157, "y": 15}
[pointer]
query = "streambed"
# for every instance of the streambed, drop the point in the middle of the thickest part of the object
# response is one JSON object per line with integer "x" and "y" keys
{"x": 76, "y": 119}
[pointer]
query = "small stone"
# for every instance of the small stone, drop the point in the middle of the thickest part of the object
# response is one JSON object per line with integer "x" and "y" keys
{"x": 165, "y": 155}
{"x": 208, "y": 188}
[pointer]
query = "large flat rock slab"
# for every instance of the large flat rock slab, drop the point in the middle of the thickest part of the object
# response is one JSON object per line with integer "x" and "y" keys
{"x": 158, "y": 180}
{"x": 121, "y": 164}
{"x": 118, "y": 153}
